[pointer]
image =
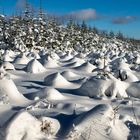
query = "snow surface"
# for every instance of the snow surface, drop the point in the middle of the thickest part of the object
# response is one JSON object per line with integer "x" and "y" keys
{"x": 69, "y": 95}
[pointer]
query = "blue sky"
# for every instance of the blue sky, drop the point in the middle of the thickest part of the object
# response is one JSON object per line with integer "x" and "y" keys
{"x": 116, "y": 15}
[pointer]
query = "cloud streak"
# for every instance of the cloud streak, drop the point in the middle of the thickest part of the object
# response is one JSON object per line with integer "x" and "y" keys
{"x": 85, "y": 14}
{"x": 79, "y": 15}
{"x": 124, "y": 20}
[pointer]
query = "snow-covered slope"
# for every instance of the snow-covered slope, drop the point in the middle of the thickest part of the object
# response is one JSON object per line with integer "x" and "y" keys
{"x": 65, "y": 83}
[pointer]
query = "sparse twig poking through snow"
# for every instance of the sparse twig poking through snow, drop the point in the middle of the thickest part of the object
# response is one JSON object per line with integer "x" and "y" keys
{"x": 138, "y": 131}
{"x": 74, "y": 111}
{"x": 115, "y": 112}
{"x": 47, "y": 128}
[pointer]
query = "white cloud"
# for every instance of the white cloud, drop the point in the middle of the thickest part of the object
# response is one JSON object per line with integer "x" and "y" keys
{"x": 85, "y": 14}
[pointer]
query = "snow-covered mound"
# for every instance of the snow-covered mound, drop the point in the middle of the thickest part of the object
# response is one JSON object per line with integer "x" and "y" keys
{"x": 50, "y": 63}
{"x": 7, "y": 87}
{"x": 99, "y": 123}
{"x": 133, "y": 89}
{"x": 80, "y": 55}
{"x": 75, "y": 59}
{"x": 69, "y": 75}
{"x": 21, "y": 59}
{"x": 103, "y": 87}
{"x": 57, "y": 80}
{"x": 8, "y": 66}
{"x": 48, "y": 93}
{"x": 34, "y": 66}
{"x": 55, "y": 56}
{"x": 25, "y": 126}
{"x": 52, "y": 94}
{"x": 7, "y": 56}
{"x": 116, "y": 62}
{"x": 123, "y": 66}
{"x": 87, "y": 67}
{"x": 33, "y": 55}
{"x": 72, "y": 64}
{"x": 66, "y": 57}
